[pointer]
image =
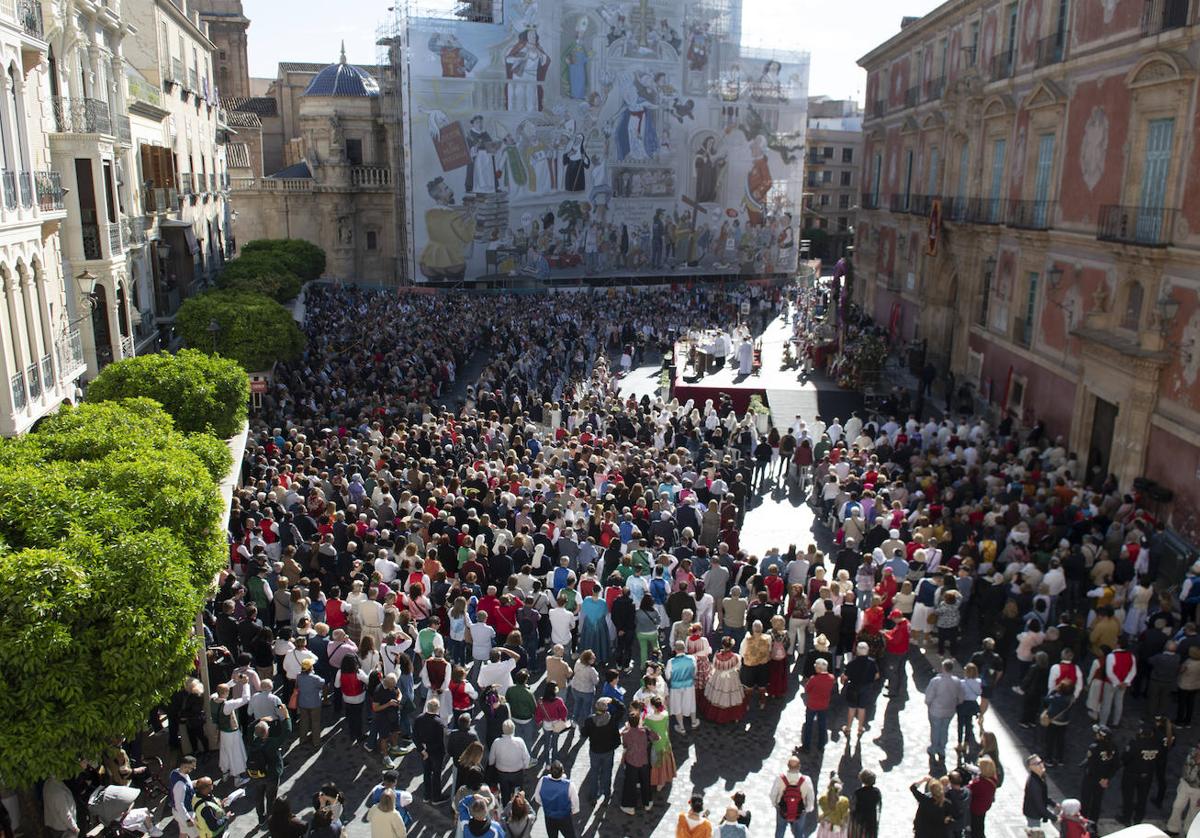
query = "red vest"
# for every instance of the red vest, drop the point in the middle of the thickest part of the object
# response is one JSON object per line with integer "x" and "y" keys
{"x": 350, "y": 684}
{"x": 1122, "y": 664}
{"x": 1068, "y": 673}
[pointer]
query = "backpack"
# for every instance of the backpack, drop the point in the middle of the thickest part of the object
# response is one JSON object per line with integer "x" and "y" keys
{"x": 256, "y": 761}
{"x": 791, "y": 802}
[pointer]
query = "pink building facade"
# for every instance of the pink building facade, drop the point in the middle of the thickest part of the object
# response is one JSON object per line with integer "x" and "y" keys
{"x": 1031, "y": 209}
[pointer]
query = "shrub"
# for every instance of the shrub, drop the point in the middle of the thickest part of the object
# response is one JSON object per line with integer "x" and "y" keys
{"x": 261, "y": 272}
{"x": 301, "y": 257}
{"x": 111, "y": 535}
{"x": 255, "y": 330}
{"x": 203, "y": 393}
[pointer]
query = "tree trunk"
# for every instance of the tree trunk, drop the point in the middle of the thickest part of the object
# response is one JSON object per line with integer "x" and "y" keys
{"x": 32, "y": 824}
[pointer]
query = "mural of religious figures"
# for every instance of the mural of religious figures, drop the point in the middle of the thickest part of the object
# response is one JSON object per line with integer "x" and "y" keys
{"x": 769, "y": 87}
{"x": 758, "y": 182}
{"x": 577, "y": 60}
{"x": 456, "y": 60}
{"x": 710, "y": 166}
{"x": 512, "y": 167}
{"x": 526, "y": 64}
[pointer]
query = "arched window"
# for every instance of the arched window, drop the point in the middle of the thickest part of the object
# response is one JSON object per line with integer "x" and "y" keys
{"x": 1131, "y": 315}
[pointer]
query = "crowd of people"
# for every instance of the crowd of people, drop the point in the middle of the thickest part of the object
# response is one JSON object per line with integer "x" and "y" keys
{"x": 467, "y": 589}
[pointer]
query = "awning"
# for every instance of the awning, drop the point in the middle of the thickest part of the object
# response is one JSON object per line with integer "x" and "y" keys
{"x": 185, "y": 227}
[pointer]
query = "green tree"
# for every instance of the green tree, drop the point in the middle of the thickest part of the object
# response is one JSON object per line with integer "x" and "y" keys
{"x": 203, "y": 393}
{"x": 261, "y": 272}
{"x": 110, "y": 536}
{"x": 254, "y": 330}
{"x": 301, "y": 257}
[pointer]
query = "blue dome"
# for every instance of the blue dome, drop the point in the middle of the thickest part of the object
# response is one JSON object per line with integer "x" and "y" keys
{"x": 342, "y": 79}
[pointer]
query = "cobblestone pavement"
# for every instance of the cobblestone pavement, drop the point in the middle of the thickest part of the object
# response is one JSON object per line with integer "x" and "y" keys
{"x": 716, "y": 761}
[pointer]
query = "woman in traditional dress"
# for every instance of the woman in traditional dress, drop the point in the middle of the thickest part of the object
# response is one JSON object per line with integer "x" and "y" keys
{"x": 777, "y": 666}
{"x": 833, "y": 810}
{"x": 697, "y": 646}
{"x": 724, "y": 698}
{"x": 662, "y": 758}
{"x": 756, "y": 653}
{"x": 594, "y": 632}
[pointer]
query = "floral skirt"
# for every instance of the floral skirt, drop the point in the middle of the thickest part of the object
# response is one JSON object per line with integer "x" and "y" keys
{"x": 724, "y": 698}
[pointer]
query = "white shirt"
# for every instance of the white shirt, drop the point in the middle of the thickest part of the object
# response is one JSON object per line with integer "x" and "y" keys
{"x": 387, "y": 569}
{"x": 806, "y": 790}
{"x": 509, "y": 753}
{"x": 561, "y": 623}
{"x": 498, "y": 673}
{"x": 291, "y": 662}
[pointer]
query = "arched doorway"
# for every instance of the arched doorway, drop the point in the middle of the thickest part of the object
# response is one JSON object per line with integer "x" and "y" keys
{"x": 101, "y": 336}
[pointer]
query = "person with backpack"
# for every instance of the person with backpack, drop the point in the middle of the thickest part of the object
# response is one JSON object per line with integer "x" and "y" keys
{"x": 211, "y": 816}
{"x": 264, "y": 762}
{"x": 792, "y": 796}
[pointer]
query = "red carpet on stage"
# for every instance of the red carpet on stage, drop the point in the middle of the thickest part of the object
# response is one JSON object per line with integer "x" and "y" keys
{"x": 725, "y": 380}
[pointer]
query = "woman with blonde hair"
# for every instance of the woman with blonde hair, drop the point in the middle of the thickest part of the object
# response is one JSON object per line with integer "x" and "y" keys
{"x": 833, "y": 810}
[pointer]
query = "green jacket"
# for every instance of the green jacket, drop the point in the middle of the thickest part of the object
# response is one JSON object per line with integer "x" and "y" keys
{"x": 270, "y": 750}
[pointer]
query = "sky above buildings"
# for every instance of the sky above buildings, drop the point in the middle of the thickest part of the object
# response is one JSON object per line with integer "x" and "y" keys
{"x": 836, "y": 34}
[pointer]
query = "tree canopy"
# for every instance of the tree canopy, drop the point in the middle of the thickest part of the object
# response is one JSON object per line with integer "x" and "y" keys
{"x": 110, "y": 535}
{"x": 254, "y": 330}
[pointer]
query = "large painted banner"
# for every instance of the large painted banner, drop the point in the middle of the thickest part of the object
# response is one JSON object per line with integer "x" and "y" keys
{"x": 586, "y": 138}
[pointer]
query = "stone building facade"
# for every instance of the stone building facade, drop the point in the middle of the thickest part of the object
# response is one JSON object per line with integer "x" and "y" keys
{"x": 227, "y": 27}
{"x": 832, "y": 171}
{"x": 1025, "y": 212}
{"x": 335, "y": 188}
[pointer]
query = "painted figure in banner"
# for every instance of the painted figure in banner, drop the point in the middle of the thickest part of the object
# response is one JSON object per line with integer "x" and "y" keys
{"x": 698, "y": 40}
{"x": 636, "y": 134}
{"x": 477, "y": 142}
{"x": 577, "y": 59}
{"x": 526, "y": 65}
{"x": 456, "y": 60}
{"x": 481, "y": 169}
{"x": 512, "y": 167}
{"x": 576, "y": 162}
{"x": 769, "y": 87}
{"x": 758, "y": 183}
{"x": 450, "y": 230}
{"x": 710, "y": 167}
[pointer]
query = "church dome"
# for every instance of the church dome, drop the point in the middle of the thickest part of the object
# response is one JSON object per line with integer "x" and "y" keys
{"x": 342, "y": 79}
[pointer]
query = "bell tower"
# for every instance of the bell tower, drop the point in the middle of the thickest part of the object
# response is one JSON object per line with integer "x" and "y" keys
{"x": 227, "y": 28}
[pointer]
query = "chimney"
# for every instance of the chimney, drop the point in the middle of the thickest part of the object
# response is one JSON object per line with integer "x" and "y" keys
{"x": 907, "y": 20}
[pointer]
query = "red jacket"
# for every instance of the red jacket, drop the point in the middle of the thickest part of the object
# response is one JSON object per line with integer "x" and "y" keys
{"x": 897, "y": 638}
{"x": 983, "y": 793}
{"x": 818, "y": 690}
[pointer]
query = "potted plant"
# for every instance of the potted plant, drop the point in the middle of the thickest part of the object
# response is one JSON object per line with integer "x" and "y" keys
{"x": 761, "y": 414}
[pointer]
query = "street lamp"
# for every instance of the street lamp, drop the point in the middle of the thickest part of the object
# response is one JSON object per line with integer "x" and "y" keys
{"x": 989, "y": 265}
{"x": 214, "y": 329}
{"x": 1168, "y": 310}
{"x": 1055, "y": 276}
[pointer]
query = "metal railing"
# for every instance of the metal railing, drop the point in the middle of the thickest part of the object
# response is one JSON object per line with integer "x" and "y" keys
{"x": 50, "y": 194}
{"x": 899, "y": 202}
{"x": 1146, "y": 226}
{"x": 934, "y": 88}
{"x": 29, "y": 15}
{"x": 124, "y": 131}
{"x": 135, "y": 230}
{"x": 185, "y": 184}
{"x": 127, "y": 347}
{"x": 176, "y": 71}
{"x": 91, "y": 241}
{"x": 1051, "y": 50}
{"x": 20, "y": 399}
{"x": 370, "y": 176}
{"x": 71, "y": 363}
{"x": 1022, "y": 331}
{"x": 878, "y": 109}
{"x": 921, "y": 204}
{"x": 970, "y": 54}
{"x": 82, "y": 116}
{"x": 1164, "y": 15}
{"x": 9, "y": 179}
{"x": 116, "y": 241}
{"x": 868, "y": 201}
{"x": 47, "y": 372}
{"x": 34, "y": 377}
{"x": 984, "y": 211}
{"x": 193, "y": 80}
{"x": 1030, "y": 215}
{"x": 25, "y": 181}
{"x": 912, "y": 96}
{"x": 159, "y": 199}
{"x": 1003, "y": 65}
{"x": 955, "y": 209}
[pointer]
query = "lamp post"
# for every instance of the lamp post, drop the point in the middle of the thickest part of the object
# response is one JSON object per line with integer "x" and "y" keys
{"x": 214, "y": 330}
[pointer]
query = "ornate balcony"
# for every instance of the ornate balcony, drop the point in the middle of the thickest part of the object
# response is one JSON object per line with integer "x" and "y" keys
{"x": 50, "y": 193}
{"x": 82, "y": 116}
{"x": 1030, "y": 215}
{"x": 1145, "y": 226}
{"x": 29, "y": 15}
{"x": 1164, "y": 15}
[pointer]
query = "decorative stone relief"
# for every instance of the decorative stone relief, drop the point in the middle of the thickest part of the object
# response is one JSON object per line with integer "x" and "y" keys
{"x": 1017, "y": 169}
{"x": 1092, "y": 156}
{"x": 1190, "y": 339}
